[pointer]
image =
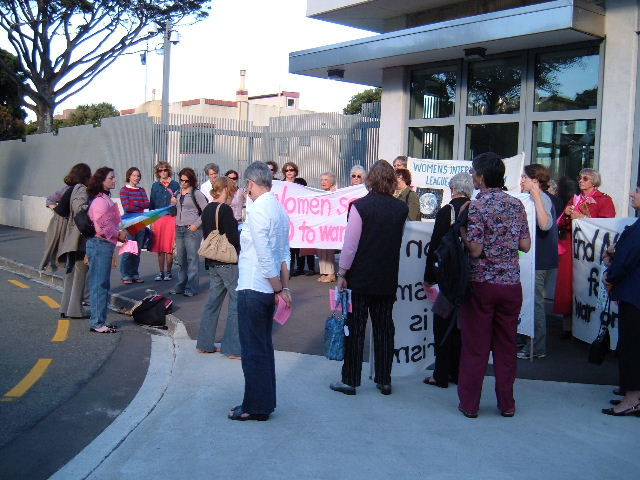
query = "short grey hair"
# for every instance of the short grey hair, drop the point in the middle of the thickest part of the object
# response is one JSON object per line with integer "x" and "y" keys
{"x": 211, "y": 166}
{"x": 596, "y": 178}
{"x": 332, "y": 177}
{"x": 359, "y": 169}
{"x": 463, "y": 183}
{"x": 259, "y": 173}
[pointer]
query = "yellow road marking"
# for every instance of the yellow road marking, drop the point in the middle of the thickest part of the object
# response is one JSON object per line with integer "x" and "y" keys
{"x": 62, "y": 333}
{"x": 19, "y": 284}
{"x": 49, "y": 301}
{"x": 30, "y": 379}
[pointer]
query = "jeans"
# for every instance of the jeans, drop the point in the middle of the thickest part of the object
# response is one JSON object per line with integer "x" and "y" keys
{"x": 130, "y": 262}
{"x": 187, "y": 245}
{"x": 539, "y": 316}
{"x": 223, "y": 280}
{"x": 100, "y": 253}
{"x": 255, "y": 321}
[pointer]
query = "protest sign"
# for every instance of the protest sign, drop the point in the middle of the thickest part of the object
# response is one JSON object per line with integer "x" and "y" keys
{"x": 591, "y": 238}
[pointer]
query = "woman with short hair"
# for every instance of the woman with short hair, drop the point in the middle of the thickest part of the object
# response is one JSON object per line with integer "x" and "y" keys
{"x": 358, "y": 175}
{"x": 211, "y": 170}
{"x": 105, "y": 215}
{"x": 326, "y": 257}
{"x": 134, "y": 201}
{"x": 408, "y": 196}
{"x": 400, "y": 162}
{"x": 373, "y": 283}
{"x": 164, "y": 229}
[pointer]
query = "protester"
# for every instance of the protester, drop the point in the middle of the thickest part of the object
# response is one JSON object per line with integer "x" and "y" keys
{"x": 273, "y": 166}
{"x": 535, "y": 181}
{"x": 369, "y": 266}
{"x": 263, "y": 278}
{"x": 134, "y": 201}
{"x": 164, "y": 229}
{"x": 223, "y": 277}
{"x": 238, "y": 200}
{"x": 497, "y": 229}
{"x": 326, "y": 257}
{"x": 404, "y": 193}
{"x": 73, "y": 247}
{"x": 400, "y": 163}
{"x": 446, "y": 346}
{"x": 189, "y": 202}
{"x": 105, "y": 215}
{"x": 623, "y": 282}
{"x": 591, "y": 202}
{"x": 358, "y": 175}
{"x": 290, "y": 174}
{"x": 211, "y": 170}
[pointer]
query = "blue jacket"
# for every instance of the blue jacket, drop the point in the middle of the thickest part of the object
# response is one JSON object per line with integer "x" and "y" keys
{"x": 160, "y": 196}
{"x": 624, "y": 272}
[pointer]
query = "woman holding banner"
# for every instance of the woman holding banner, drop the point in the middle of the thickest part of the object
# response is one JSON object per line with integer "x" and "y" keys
{"x": 590, "y": 203}
{"x": 623, "y": 283}
{"x": 296, "y": 265}
{"x": 373, "y": 284}
{"x": 326, "y": 257}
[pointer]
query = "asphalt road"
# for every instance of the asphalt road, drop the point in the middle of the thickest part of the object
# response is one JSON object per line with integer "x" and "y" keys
{"x": 60, "y": 385}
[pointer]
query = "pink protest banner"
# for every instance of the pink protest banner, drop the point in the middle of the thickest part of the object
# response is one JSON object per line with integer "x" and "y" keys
{"x": 317, "y": 218}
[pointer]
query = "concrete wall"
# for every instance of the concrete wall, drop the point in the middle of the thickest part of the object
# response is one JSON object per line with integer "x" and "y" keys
{"x": 394, "y": 114}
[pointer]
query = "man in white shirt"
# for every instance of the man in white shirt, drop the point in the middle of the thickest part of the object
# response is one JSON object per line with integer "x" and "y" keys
{"x": 263, "y": 281}
{"x": 212, "y": 170}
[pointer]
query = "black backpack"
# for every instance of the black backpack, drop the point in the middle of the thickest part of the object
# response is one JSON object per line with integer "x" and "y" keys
{"x": 152, "y": 311}
{"x": 84, "y": 223}
{"x": 452, "y": 262}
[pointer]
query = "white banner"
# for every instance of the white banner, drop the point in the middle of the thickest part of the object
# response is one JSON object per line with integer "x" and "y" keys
{"x": 591, "y": 238}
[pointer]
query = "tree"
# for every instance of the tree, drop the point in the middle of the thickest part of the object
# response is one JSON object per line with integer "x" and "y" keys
{"x": 11, "y": 114}
{"x": 91, "y": 114}
{"x": 367, "y": 96}
{"x": 62, "y": 45}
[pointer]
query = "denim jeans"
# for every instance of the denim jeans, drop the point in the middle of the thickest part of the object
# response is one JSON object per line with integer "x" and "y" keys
{"x": 130, "y": 262}
{"x": 100, "y": 253}
{"x": 187, "y": 245}
{"x": 255, "y": 321}
{"x": 223, "y": 280}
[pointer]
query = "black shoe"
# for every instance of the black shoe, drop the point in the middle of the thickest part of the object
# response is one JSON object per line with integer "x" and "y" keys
{"x": 343, "y": 388}
{"x": 615, "y": 402}
{"x": 629, "y": 412}
{"x": 467, "y": 414}
{"x": 384, "y": 389}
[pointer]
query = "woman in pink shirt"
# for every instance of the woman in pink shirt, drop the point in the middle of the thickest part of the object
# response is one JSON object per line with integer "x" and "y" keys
{"x": 105, "y": 215}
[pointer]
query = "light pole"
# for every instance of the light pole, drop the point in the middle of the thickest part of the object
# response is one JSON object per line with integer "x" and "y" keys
{"x": 166, "y": 72}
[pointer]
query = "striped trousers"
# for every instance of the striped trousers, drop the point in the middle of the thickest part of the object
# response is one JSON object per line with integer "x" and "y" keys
{"x": 379, "y": 308}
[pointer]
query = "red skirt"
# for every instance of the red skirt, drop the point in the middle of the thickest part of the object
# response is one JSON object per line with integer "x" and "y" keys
{"x": 164, "y": 234}
{"x": 564, "y": 284}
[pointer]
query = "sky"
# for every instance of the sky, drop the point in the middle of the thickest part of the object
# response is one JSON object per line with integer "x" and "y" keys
{"x": 254, "y": 35}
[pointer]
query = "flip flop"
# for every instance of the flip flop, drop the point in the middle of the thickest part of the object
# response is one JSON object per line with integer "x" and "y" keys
{"x": 237, "y": 414}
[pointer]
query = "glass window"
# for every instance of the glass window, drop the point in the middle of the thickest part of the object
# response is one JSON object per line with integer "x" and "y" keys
{"x": 566, "y": 81}
{"x": 501, "y": 138}
{"x": 435, "y": 143}
{"x": 433, "y": 93}
{"x": 565, "y": 147}
{"x": 494, "y": 86}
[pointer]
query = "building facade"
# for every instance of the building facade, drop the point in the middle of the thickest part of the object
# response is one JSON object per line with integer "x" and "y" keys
{"x": 556, "y": 80}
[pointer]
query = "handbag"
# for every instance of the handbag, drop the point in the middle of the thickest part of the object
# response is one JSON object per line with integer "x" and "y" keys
{"x": 600, "y": 346}
{"x": 217, "y": 246}
{"x": 334, "y": 329}
{"x": 84, "y": 223}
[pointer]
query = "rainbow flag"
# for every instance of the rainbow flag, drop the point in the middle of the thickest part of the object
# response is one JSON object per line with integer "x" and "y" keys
{"x": 135, "y": 224}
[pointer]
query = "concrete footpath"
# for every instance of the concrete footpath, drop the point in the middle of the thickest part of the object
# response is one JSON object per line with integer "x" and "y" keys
{"x": 176, "y": 427}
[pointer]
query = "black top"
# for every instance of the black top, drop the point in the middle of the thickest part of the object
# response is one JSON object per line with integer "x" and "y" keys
{"x": 440, "y": 228}
{"x": 374, "y": 270}
{"x": 228, "y": 226}
{"x": 547, "y": 242}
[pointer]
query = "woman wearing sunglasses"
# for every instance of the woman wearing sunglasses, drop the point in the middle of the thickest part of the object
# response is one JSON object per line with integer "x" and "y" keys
{"x": 358, "y": 174}
{"x": 164, "y": 229}
{"x": 590, "y": 203}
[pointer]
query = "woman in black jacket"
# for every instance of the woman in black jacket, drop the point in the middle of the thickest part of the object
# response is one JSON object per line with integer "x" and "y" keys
{"x": 447, "y": 351}
{"x": 223, "y": 276}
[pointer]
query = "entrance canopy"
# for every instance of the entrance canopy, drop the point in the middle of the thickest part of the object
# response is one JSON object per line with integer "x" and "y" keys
{"x": 362, "y": 61}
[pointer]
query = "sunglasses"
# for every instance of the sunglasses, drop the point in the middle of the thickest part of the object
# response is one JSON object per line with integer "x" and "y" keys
{"x": 356, "y": 176}
{"x": 163, "y": 170}
{"x": 584, "y": 178}
{"x": 289, "y": 170}
{"x": 184, "y": 180}
{"x": 235, "y": 179}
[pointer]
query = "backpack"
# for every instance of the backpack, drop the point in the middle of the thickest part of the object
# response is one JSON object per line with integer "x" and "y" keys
{"x": 152, "y": 311}
{"x": 84, "y": 223}
{"x": 452, "y": 262}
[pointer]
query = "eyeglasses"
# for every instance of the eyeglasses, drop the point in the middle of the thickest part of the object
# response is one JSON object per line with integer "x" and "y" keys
{"x": 184, "y": 180}
{"x": 163, "y": 170}
{"x": 584, "y": 178}
{"x": 235, "y": 179}
{"x": 356, "y": 176}
{"x": 288, "y": 170}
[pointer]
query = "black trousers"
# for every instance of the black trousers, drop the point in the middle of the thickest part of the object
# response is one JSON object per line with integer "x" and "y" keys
{"x": 447, "y": 355}
{"x": 379, "y": 308}
{"x": 629, "y": 347}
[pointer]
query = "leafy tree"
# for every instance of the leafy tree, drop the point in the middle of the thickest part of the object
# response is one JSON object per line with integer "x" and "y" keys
{"x": 367, "y": 96}
{"x": 62, "y": 45}
{"x": 91, "y": 114}
{"x": 11, "y": 114}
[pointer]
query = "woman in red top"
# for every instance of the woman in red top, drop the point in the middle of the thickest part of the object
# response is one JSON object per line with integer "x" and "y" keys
{"x": 590, "y": 203}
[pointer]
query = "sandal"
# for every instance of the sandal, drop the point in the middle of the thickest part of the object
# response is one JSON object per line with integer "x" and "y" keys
{"x": 236, "y": 413}
{"x": 138, "y": 280}
{"x": 108, "y": 330}
{"x": 110, "y": 325}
